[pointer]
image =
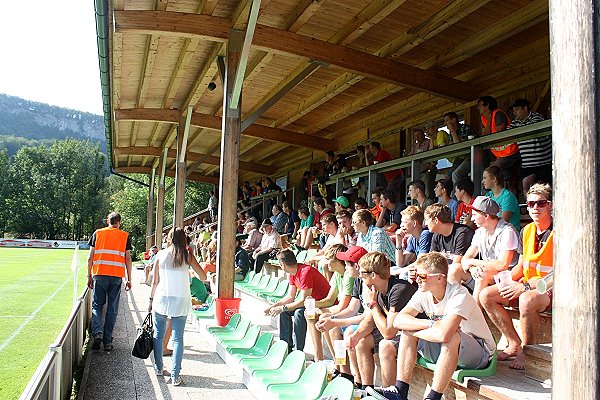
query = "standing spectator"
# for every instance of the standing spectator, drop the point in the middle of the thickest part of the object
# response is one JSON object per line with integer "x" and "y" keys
{"x": 258, "y": 189}
{"x": 212, "y": 205}
{"x": 270, "y": 241}
{"x": 306, "y": 281}
{"x": 109, "y": 261}
{"x": 428, "y": 170}
{"x": 443, "y": 190}
{"x": 536, "y": 154}
{"x": 304, "y": 189}
{"x": 509, "y": 205}
{"x": 461, "y": 165}
{"x": 171, "y": 298}
{"x": 393, "y": 178}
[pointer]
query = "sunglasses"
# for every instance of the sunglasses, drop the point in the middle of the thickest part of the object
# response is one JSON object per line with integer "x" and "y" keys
{"x": 365, "y": 272}
{"x": 539, "y": 203}
{"x": 425, "y": 276}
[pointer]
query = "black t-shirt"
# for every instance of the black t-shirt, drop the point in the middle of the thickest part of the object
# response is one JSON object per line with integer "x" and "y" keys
{"x": 456, "y": 244}
{"x": 92, "y": 242}
{"x": 242, "y": 260}
{"x": 394, "y": 217}
{"x": 398, "y": 294}
{"x": 540, "y": 240}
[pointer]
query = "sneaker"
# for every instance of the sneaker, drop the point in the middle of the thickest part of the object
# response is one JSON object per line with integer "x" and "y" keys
{"x": 109, "y": 347}
{"x": 164, "y": 372}
{"x": 388, "y": 393}
{"x": 176, "y": 381}
{"x": 97, "y": 341}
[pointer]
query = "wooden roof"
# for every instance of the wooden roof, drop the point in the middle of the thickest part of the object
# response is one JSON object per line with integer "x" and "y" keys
{"x": 337, "y": 72}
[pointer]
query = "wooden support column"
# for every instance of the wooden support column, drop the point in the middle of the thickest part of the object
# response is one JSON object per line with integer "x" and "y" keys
{"x": 228, "y": 179}
{"x": 180, "y": 170}
{"x": 150, "y": 214}
{"x": 160, "y": 198}
{"x": 574, "y": 66}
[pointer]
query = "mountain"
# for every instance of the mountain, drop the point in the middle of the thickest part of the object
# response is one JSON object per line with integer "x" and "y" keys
{"x": 29, "y": 123}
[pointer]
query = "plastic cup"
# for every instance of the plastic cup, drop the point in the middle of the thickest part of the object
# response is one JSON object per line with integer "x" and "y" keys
{"x": 309, "y": 308}
{"x": 470, "y": 137}
{"x": 339, "y": 352}
{"x": 503, "y": 279}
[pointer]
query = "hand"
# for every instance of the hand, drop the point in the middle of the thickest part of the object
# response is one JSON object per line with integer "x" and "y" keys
{"x": 275, "y": 311}
{"x": 466, "y": 267}
{"x": 325, "y": 324}
{"x": 513, "y": 291}
{"x": 352, "y": 340}
{"x": 127, "y": 285}
{"x": 405, "y": 240}
{"x": 268, "y": 311}
{"x": 342, "y": 231}
{"x": 477, "y": 272}
{"x": 150, "y": 306}
{"x": 368, "y": 295}
{"x": 400, "y": 235}
{"x": 90, "y": 282}
{"x": 412, "y": 272}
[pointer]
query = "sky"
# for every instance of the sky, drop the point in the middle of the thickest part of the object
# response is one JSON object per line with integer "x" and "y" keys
{"x": 48, "y": 53}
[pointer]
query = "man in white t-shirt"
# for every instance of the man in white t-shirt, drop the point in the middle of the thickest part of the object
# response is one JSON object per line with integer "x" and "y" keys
{"x": 455, "y": 333}
{"x": 493, "y": 248}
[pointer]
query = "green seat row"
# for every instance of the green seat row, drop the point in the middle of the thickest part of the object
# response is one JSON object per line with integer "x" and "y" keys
{"x": 460, "y": 374}
{"x": 209, "y": 313}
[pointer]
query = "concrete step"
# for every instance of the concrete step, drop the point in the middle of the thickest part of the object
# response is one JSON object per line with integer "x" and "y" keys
{"x": 538, "y": 362}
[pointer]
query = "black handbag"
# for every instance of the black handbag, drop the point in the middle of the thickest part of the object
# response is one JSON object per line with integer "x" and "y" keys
{"x": 143, "y": 343}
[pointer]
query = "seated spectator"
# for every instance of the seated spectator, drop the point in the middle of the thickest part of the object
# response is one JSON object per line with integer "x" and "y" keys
{"x": 254, "y": 235}
{"x": 437, "y": 138}
{"x": 463, "y": 190}
{"x": 536, "y": 153}
{"x": 412, "y": 240}
{"x": 509, "y": 205}
{"x": 338, "y": 298}
{"x": 247, "y": 189}
{"x": 333, "y": 164}
{"x": 361, "y": 157}
{"x": 258, "y": 189}
{"x": 360, "y": 204}
{"x": 306, "y": 221}
{"x": 493, "y": 248}
{"x": 393, "y": 178}
{"x": 390, "y": 218}
{"x": 304, "y": 280}
{"x": 320, "y": 211}
{"x": 330, "y": 230}
{"x": 443, "y": 190}
{"x": 454, "y": 335}
{"x": 348, "y": 318}
{"x": 449, "y": 238}
{"x": 376, "y": 332}
{"x": 416, "y": 191}
{"x": 495, "y": 120}
{"x": 461, "y": 165}
{"x": 270, "y": 241}
{"x": 292, "y": 225}
{"x": 346, "y": 234}
{"x": 340, "y": 203}
{"x": 304, "y": 189}
{"x": 428, "y": 169}
{"x": 535, "y": 250}
{"x": 242, "y": 260}
{"x": 279, "y": 219}
{"x": 370, "y": 237}
{"x": 376, "y": 210}
{"x": 148, "y": 266}
{"x": 270, "y": 186}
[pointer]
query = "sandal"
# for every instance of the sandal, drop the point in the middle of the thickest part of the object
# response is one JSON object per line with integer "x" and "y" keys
{"x": 168, "y": 353}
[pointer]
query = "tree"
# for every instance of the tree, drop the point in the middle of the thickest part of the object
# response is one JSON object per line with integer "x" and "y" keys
{"x": 3, "y": 190}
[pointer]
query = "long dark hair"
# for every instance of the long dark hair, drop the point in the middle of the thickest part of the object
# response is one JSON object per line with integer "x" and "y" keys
{"x": 178, "y": 240}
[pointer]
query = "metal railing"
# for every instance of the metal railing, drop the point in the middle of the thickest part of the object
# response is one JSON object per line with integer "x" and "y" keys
{"x": 53, "y": 378}
{"x": 474, "y": 147}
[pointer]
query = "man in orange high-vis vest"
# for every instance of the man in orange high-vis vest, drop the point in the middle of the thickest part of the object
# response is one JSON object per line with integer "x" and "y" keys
{"x": 535, "y": 262}
{"x": 109, "y": 262}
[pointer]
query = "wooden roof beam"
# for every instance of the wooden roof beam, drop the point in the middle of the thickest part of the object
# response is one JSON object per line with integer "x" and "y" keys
{"x": 214, "y": 122}
{"x": 214, "y": 180}
{"x": 216, "y": 28}
{"x": 191, "y": 156}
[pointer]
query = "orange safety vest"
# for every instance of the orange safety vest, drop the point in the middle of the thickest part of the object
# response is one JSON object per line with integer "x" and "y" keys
{"x": 537, "y": 264}
{"x": 507, "y": 149}
{"x": 109, "y": 252}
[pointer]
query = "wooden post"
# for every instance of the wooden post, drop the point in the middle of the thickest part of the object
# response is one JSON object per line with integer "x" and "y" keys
{"x": 160, "y": 199}
{"x": 574, "y": 70}
{"x": 180, "y": 173}
{"x": 228, "y": 178}
{"x": 150, "y": 214}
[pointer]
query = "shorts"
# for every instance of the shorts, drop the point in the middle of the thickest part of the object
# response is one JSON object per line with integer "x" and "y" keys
{"x": 378, "y": 337}
{"x": 470, "y": 284}
{"x": 472, "y": 354}
{"x": 354, "y": 328}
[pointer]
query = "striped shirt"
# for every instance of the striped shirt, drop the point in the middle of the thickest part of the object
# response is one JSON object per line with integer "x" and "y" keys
{"x": 534, "y": 152}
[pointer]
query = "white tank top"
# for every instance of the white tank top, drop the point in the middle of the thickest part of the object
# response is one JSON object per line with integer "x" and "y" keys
{"x": 172, "y": 296}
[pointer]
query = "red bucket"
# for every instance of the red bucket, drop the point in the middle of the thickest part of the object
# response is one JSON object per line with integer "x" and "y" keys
{"x": 225, "y": 308}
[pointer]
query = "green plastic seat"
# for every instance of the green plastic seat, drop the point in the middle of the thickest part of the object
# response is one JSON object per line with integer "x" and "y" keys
{"x": 264, "y": 281}
{"x": 258, "y": 350}
{"x": 272, "y": 360}
{"x": 230, "y": 327}
{"x": 282, "y": 290}
{"x": 308, "y": 387}
{"x": 301, "y": 256}
{"x": 460, "y": 374}
{"x": 288, "y": 372}
{"x": 247, "y": 278}
{"x": 340, "y": 388}
{"x": 252, "y": 282}
{"x": 198, "y": 289}
{"x": 209, "y": 313}
{"x": 236, "y": 334}
{"x": 246, "y": 342}
{"x": 273, "y": 283}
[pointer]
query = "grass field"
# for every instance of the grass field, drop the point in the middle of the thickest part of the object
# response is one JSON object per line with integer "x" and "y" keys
{"x": 36, "y": 297}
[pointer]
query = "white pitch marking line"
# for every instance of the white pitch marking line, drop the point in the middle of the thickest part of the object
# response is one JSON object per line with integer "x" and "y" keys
{"x": 30, "y": 317}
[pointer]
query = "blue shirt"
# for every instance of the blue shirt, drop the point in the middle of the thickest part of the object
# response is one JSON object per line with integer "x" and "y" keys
{"x": 420, "y": 246}
{"x": 508, "y": 202}
{"x": 453, "y": 206}
{"x": 376, "y": 239}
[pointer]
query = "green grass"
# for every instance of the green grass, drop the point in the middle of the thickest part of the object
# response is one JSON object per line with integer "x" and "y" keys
{"x": 28, "y": 278}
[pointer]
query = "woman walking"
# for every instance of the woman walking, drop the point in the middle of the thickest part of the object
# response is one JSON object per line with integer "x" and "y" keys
{"x": 171, "y": 298}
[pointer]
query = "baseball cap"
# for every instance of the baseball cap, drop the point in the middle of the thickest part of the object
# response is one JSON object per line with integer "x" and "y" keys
{"x": 485, "y": 205}
{"x": 354, "y": 253}
{"x": 267, "y": 221}
{"x": 521, "y": 103}
{"x": 343, "y": 201}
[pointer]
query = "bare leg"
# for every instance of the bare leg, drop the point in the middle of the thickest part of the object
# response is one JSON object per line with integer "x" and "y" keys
{"x": 407, "y": 356}
{"x": 482, "y": 283}
{"x": 316, "y": 337}
{"x": 446, "y": 364}
{"x": 456, "y": 274}
{"x": 531, "y": 304}
{"x": 494, "y": 304}
{"x": 336, "y": 334}
{"x": 387, "y": 358}
{"x": 353, "y": 360}
{"x": 168, "y": 331}
{"x": 364, "y": 356}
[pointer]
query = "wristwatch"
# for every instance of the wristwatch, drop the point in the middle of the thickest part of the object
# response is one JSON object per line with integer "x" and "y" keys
{"x": 526, "y": 286}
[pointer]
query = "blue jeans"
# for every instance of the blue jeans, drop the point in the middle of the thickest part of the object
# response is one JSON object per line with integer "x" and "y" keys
{"x": 107, "y": 290}
{"x": 160, "y": 323}
{"x": 298, "y": 327}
